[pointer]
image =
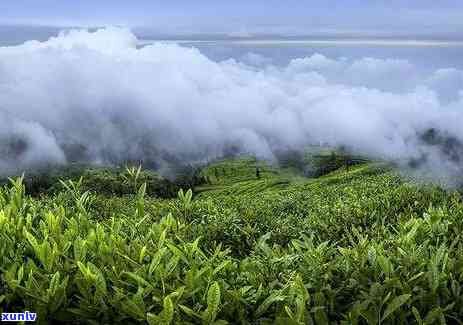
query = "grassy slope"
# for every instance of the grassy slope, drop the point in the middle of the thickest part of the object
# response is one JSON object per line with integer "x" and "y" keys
{"x": 238, "y": 176}
{"x": 361, "y": 246}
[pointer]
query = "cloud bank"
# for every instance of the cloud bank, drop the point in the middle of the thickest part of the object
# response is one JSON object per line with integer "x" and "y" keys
{"x": 97, "y": 97}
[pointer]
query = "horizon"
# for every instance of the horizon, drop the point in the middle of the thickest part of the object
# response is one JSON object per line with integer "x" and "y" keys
{"x": 243, "y": 20}
{"x": 17, "y": 34}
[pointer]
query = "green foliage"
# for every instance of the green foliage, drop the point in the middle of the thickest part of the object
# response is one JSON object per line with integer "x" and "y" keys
{"x": 321, "y": 161}
{"x": 131, "y": 176}
{"x": 102, "y": 180}
{"x": 352, "y": 247}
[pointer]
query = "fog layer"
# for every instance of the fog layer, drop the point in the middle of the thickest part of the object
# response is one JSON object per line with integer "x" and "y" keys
{"x": 98, "y": 98}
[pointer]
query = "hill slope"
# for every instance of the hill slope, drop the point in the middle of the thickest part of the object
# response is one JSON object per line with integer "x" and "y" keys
{"x": 352, "y": 247}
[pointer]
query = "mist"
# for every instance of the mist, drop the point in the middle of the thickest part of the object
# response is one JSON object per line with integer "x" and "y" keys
{"x": 97, "y": 97}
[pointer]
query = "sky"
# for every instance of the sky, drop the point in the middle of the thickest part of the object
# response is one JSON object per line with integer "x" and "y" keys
{"x": 245, "y": 18}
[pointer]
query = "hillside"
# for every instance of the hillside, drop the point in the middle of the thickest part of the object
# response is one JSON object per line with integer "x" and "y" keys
{"x": 356, "y": 246}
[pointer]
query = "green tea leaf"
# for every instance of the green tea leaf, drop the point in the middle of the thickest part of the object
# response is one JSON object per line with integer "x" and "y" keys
{"x": 396, "y": 303}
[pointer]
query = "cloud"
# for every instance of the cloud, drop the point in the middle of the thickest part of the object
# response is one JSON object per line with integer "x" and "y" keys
{"x": 256, "y": 60}
{"x": 96, "y": 97}
{"x": 447, "y": 82}
{"x": 384, "y": 74}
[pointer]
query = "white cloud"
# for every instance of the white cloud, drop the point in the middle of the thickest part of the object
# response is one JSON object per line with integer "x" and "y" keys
{"x": 255, "y": 59}
{"x": 385, "y": 74}
{"x": 97, "y": 97}
{"x": 447, "y": 82}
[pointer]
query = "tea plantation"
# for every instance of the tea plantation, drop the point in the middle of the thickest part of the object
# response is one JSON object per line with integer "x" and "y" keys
{"x": 252, "y": 245}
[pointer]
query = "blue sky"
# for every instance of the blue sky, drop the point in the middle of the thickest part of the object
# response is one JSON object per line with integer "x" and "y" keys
{"x": 246, "y": 17}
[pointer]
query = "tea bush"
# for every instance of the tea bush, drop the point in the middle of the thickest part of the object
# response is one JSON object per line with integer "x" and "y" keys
{"x": 356, "y": 247}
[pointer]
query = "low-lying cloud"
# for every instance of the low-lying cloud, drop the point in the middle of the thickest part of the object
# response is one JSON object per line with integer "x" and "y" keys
{"x": 97, "y": 97}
